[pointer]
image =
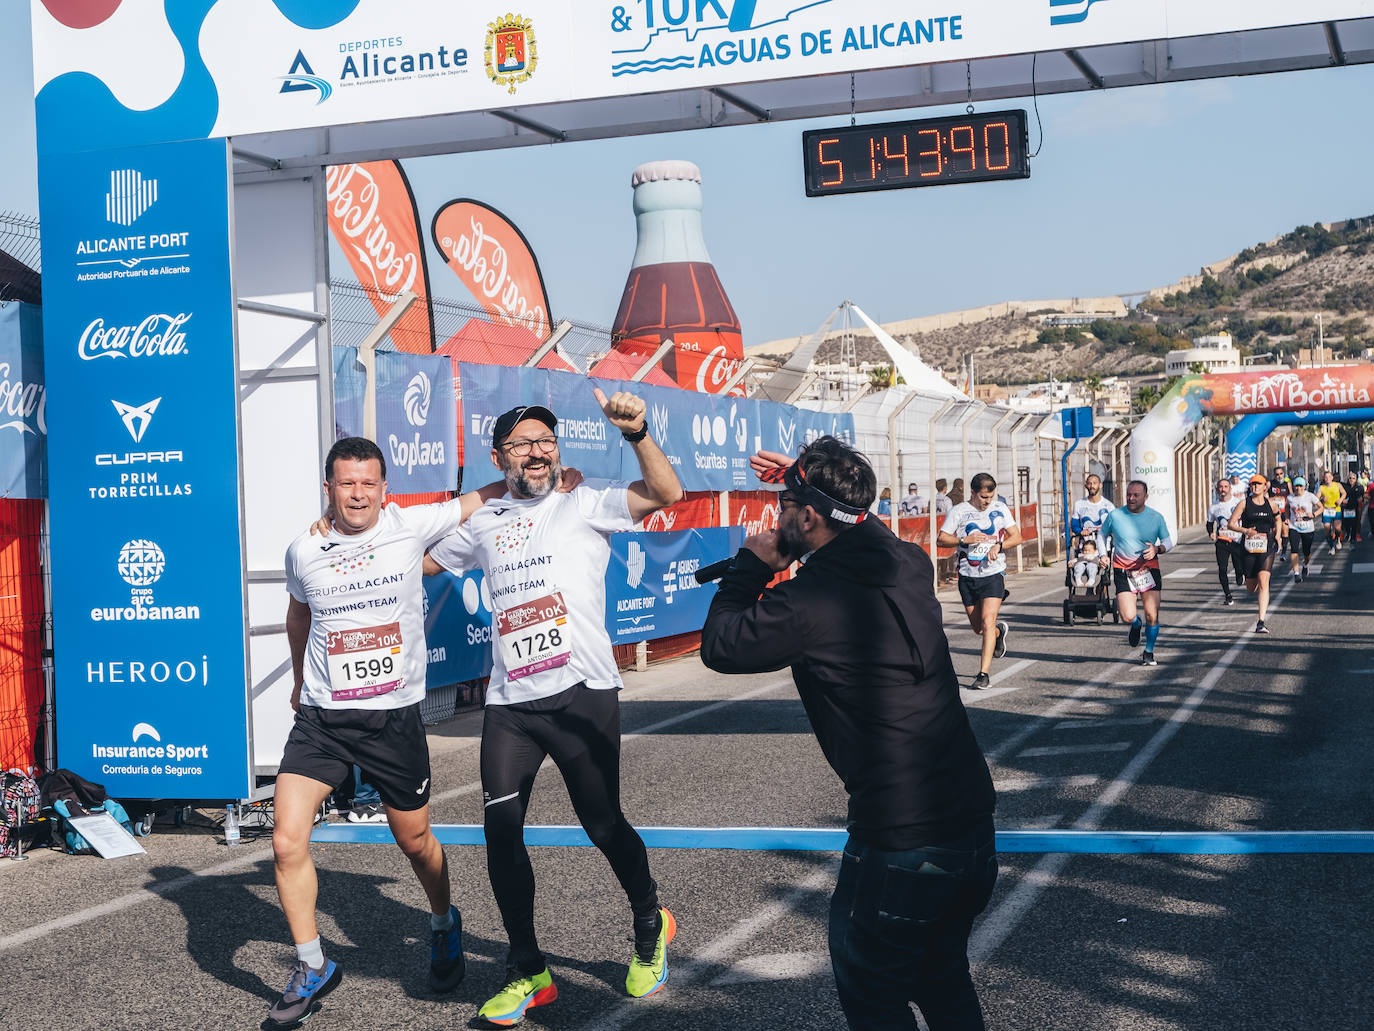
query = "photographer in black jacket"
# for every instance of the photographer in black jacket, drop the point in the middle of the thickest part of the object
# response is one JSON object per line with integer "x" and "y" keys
{"x": 862, "y": 632}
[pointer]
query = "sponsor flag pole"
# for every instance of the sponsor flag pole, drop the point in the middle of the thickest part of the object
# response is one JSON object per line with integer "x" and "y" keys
{"x": 367, "y": 356}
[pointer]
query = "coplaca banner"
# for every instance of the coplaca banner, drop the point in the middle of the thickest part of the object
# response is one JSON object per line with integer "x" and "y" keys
{"x": 417, "y": 424}
{"x": 651, "y": 586}
{"x": 144, "y": 72}
{"x": 23, "y": 403}
{"x": 707, "y": 438}
{"x": 147, "y": 567}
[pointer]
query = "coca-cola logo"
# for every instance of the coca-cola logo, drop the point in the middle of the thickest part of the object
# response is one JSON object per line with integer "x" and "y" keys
{"x": 487, "y": 264}
{"x": 1288, "y": 391}
{"x": 354, "y": 197}
{"x": 22, "y": 402}
{"x": 716, "y": 370}
{"x": 766, "y": 522}
{"x": 157, "y": 336}
{"x": 661, "y": 521}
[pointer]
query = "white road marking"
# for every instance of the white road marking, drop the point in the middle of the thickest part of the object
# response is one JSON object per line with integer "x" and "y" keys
{"x": 1186, "y": 573}
{"x": 1079, "y": 780}
{"x": 775, "y": 966}
{"x": 133, "y": 898}
{"x": 1016, "y": 667}
{"x": 988, "y": 693}
{"x": 1039, "y": 823}
{"x": 1044, "y": 750}
{"x": 715, "y": 953}
{"x": 1360, "y": 567}
{"x": 1158, "y": 699}
{"x": 998, "y": 923}
{"x": 1091, "y": 723}
{"x": 253, "y": 856}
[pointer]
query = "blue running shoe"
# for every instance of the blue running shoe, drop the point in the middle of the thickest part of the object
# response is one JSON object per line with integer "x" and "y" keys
{"x": 303, "y": 995}
{"x": 446, "y": 963}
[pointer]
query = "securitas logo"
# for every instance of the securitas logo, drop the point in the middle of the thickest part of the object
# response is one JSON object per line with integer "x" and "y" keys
{"x": 1070, "y": 12}
{"x": 301, "y": 78}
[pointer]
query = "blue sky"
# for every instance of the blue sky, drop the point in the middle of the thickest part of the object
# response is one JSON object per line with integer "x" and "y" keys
{"x": 1132, "y": 188}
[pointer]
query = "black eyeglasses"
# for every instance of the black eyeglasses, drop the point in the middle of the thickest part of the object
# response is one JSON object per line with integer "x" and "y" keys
{"x": 787, "y": 499}
{"x": 522, "y": 448}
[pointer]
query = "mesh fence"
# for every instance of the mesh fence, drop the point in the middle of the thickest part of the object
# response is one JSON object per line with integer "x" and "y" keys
{"x": 20, "y": 258}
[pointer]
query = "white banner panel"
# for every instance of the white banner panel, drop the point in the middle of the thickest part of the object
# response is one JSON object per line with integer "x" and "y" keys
{"x": 252, "y": 66}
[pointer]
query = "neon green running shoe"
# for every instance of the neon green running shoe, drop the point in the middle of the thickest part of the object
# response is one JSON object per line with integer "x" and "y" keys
{"x": 646, "y": 977}
{"x": 508, "y": 1006}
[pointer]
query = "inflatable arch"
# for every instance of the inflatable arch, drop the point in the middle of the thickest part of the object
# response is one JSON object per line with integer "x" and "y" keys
{"x": 1268, "y": 391}
{"x": 1244, "y": 438}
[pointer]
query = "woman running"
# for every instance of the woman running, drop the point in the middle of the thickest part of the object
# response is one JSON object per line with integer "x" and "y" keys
{"x": 1260, "y": 524}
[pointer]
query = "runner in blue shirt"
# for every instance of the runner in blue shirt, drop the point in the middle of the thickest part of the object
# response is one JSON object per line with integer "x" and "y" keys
{"x": 1139, "y": 536}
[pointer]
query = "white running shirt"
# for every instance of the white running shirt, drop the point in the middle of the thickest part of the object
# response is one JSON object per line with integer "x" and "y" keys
{"x": 367, "y": 582}
{"x": 1091, "y": 512}
{"x": 532, "y": 548}
{"x": 1302, "y": 508}
{"x": 1219, "y": 513}
{"x": 995, "y": 521}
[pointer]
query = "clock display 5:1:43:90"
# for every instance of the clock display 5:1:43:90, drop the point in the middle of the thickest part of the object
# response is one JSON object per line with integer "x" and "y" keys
{"x": 926, "y": 152}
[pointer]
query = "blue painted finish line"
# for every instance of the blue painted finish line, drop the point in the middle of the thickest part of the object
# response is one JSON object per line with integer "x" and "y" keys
{"x": 825, "y": 839}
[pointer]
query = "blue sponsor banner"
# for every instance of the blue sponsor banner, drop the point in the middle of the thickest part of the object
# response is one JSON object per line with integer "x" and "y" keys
{"x": 147, "y": 568}
{"x": 651, "y": 587}
{"x": 457, "y": 628}
{"x": 350, "y": 387}
{"x": 708, "y": 438}
{"x": 417, "y": 425}
{"x": 23, "y": 404}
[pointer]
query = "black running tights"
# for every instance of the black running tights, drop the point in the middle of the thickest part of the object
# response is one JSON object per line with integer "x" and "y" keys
{"x": 1228, "y": 556}
{"x": 583, "y": 739}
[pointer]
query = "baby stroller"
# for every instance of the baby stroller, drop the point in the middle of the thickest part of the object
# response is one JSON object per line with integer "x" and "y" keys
{"x": 1089, "y": 585}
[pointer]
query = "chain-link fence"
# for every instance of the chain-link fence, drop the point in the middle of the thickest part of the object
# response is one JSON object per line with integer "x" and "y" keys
{"x": 21, "y": 262}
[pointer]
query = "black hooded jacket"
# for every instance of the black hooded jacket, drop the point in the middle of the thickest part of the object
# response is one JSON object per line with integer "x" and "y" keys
{"x": 862, "y": 632}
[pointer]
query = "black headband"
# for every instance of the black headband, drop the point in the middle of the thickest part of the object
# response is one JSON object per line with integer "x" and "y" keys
{"x": 809, "y": 494}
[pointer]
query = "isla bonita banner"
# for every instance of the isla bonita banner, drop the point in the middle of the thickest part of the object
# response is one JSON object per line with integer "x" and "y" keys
{"x": 707, "y": 438}
{"x": 125, "y": 71}
{"x": 147, "y": 567}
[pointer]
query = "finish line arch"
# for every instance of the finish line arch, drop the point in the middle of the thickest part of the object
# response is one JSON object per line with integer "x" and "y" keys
{"x": 1244, "y": 438}
{"x": 1193, "y": 398}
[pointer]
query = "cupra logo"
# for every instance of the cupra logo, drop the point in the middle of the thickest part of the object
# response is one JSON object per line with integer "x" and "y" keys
{"x": 136, "y": 417}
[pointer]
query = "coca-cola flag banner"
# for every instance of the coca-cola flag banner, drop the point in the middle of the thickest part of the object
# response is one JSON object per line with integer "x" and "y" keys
{"x": 651, "y": 586}
{"x": 23, "y": 403}
{"x": 708, "y": 438}
{"x": 373, "y": 218}
{"x": 492, "y": 258}
{"x": 143, "y": 446}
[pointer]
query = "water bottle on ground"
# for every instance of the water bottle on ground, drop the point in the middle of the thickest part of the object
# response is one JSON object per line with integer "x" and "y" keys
{"x": 231, "y": 826}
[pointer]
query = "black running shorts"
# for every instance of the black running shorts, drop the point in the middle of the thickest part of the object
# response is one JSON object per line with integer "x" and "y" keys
{"x": 389, "y": 746}
{"x": 1253, "y": 563}
{"x": 1123, "y": 586}
{"x": 974, "y": 589}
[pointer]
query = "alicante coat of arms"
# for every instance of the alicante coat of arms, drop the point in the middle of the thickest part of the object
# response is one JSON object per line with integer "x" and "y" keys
{"x": 511, "y": 53}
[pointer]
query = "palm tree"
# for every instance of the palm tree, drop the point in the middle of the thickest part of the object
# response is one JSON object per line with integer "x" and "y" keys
{"x": 1094, "y": 384}
{"x": 1146, "y": 398}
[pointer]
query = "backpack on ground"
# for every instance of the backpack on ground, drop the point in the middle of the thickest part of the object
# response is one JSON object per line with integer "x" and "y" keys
{"x": 68, "y": 838}
{"x": 19, "y": 807}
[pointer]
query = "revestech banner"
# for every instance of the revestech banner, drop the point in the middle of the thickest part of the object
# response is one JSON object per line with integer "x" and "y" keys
{"x": 707, "y": 437}
{"x": 651, "y": 586}
{"x": 147, "y": 576}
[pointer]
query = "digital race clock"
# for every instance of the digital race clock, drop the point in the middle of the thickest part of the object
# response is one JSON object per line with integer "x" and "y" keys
{"x": 928, "y": 152}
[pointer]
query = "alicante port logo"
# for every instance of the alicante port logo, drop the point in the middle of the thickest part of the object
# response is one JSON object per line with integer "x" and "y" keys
{"x": 511, "y": 53}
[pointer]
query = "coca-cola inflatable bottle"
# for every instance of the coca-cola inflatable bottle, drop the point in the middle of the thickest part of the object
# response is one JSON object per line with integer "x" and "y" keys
{"x": 673, "y": 291}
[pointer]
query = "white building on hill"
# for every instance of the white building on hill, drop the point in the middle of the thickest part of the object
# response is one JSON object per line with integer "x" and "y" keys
{"x": 1213, "y": 353}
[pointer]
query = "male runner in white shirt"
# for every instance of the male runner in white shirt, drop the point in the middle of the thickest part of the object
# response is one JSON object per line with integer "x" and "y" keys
{"x": 554, "y": 681}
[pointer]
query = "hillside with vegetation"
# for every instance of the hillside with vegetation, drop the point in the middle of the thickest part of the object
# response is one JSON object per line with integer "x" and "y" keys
{"x": 1269, "y": 297}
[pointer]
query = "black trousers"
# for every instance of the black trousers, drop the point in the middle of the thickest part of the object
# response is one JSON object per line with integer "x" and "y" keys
{"x": 1228, "y": 561}
{"x": 583, "y": 739}
{"x": 899, "y": 928}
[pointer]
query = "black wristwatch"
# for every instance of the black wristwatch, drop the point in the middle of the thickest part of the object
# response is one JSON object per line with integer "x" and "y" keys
{"x": 638, "y": 435}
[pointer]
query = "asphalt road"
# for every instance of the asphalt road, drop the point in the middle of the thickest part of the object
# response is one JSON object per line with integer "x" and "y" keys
{"x": 1232, "y": 731}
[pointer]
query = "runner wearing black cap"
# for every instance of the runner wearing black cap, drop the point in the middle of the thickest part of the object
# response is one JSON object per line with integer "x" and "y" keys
{"x": 554, "y": 681}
